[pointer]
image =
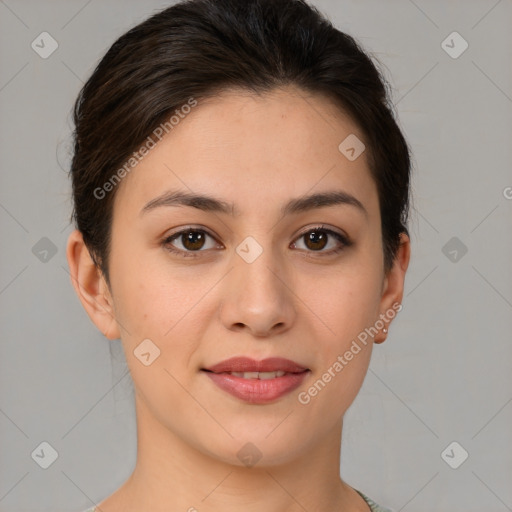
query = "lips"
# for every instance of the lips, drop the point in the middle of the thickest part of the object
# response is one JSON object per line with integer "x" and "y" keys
{"x": 257, "y": 382}
{"x": 246, "y": 365}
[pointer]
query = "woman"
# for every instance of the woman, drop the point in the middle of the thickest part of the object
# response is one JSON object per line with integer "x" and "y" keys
{"x": 241, "y": 194}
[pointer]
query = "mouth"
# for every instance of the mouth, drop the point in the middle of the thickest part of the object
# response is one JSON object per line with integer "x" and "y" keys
{"x": 257, "y": 382}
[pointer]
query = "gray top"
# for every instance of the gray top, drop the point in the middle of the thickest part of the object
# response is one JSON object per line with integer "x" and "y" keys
{"x": 374, "y": 507}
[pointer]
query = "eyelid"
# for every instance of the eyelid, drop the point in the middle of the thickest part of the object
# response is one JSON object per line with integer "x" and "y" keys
{"x": 185, "y": 229}
{"x": 326, "y": 228}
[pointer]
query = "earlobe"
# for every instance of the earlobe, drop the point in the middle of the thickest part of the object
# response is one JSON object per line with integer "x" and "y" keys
{"x": 90, "y": 286}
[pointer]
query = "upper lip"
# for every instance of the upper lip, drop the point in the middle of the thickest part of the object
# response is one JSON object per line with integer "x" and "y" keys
{"x": 246, "y": 364}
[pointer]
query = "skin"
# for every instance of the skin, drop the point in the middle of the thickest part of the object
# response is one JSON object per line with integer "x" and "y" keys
{"x": 292, "y": 302}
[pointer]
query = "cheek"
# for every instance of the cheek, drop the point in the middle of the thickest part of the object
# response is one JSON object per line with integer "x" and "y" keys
{"x": 148, "y": 300}
{"x": 346, "y": 301}
{"x": 169, "y": 308}
{"x": 343, "y": 350}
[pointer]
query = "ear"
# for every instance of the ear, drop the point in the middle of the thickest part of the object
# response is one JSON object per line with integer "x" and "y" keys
{"x": 393, "y": 284}
{"x": 91, "y": 287}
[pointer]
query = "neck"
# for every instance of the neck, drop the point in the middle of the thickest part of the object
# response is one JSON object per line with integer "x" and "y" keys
{"x": 172, "y": 474}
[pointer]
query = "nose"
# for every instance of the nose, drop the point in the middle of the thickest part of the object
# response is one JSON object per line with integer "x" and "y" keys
{"x": 258, "y": 297}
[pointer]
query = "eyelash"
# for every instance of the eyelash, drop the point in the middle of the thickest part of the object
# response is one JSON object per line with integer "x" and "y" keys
{"x": 166, "y": 243}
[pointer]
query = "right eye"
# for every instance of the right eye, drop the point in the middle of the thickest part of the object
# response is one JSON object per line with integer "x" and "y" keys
{"x": 191, "y": 240}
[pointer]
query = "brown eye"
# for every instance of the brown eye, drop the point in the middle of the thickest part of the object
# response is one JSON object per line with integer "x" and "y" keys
{"x": 317, "y": 239}
{"x": 190, "y": 240}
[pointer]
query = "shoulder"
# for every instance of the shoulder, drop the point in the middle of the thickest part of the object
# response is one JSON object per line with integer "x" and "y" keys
{"x": 374, "y": 507}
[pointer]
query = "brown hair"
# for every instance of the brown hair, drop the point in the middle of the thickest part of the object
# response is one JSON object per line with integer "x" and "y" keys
{"x": 197, "y": 48}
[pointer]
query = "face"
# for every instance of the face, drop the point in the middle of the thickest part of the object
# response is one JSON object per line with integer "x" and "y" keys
{"x": 260, "y": 272}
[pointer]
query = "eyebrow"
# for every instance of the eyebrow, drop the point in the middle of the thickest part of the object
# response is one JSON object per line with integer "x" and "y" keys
{"x": 213, "y": 204}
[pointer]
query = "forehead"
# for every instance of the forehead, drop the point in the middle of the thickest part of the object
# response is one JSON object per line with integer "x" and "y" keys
{"x": 253, "y": 150}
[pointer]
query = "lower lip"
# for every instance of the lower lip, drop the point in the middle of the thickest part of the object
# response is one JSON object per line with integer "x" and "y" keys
{"x": 256, "y": 391}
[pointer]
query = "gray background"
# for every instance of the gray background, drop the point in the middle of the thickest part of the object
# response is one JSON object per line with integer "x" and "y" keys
{"x": 443, "y": 375}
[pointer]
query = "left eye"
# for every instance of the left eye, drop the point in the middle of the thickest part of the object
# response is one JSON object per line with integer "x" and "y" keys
{"x": 317, "y": 239}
